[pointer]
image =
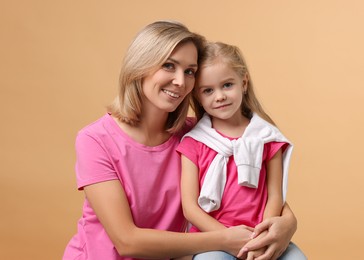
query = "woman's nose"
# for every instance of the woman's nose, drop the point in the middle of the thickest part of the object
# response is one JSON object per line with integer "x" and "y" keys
{"x": 179, "y": 79}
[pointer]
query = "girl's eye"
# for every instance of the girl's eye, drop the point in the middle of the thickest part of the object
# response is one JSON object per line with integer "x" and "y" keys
{"x": 190, "y": 72}
{"x": 207, "y": 91}
{"x": 228, "y": 85}
{"x": 168, "y": 66}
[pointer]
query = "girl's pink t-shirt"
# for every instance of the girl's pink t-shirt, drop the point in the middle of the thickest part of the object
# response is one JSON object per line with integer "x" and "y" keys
{"x": 150, "y": 177}
{"x": 239, "y": 204}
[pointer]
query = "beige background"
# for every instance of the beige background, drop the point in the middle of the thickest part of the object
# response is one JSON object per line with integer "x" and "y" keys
{"x": 59, "y": 67}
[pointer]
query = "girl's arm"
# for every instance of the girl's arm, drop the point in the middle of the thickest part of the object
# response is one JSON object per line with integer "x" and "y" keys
{"x": 274, "y": 185}
{"x": 190, "y": 193}
{"x": 110, "y": 204}
{"x": 274, "y": 204}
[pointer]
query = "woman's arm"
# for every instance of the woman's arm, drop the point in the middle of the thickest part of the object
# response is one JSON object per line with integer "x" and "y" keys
{"x": 110, "y": 204}
{"x": 190, "y": 192}
{"x": 280, "y": 231}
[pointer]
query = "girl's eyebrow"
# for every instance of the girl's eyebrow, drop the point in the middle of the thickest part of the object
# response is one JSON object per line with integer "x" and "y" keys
{"x": 227, "y": 79}
{"x": 177, "y": 62}
{"x": 201, "y": 86}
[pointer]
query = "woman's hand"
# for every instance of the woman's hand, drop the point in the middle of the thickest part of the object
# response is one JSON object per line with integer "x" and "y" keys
{"x": 279, "y": 232}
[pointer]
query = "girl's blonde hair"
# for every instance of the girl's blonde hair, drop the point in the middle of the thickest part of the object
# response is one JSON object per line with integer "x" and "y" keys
{"x": 232, "y": 56}
{"x": 148, "y": 51}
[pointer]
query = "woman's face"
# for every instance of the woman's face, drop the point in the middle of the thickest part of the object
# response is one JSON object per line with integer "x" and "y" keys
{"x": 165, "y": 89}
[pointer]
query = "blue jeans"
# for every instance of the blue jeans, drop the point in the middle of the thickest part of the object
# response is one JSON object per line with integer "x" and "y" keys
{"x": 291, "y": 253}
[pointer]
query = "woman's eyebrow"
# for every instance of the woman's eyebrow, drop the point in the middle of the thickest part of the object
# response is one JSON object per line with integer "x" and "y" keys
{"x": 177, "y": 62}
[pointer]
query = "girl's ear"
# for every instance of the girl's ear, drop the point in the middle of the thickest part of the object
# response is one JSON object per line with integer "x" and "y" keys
{"x": 245, "y": 83}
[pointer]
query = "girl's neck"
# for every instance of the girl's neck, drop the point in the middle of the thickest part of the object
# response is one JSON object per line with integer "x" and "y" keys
{"x": 233, "y": 127}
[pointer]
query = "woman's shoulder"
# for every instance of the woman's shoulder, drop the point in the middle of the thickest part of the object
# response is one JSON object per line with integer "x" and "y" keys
{"x": 97, "y": 127}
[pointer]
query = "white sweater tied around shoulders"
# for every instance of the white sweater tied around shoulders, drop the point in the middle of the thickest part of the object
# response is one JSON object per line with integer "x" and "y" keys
{"x": 248, "y": 155}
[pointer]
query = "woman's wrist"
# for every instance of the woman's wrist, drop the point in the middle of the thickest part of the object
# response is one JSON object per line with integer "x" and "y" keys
{"x": 289, "y": 218}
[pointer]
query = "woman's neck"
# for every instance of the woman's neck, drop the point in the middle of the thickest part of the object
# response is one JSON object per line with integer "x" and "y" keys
{"x": 150, "y": 131}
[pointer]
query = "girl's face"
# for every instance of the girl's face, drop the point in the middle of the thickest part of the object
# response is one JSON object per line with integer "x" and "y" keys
{"x": 165, "y": 89}
{"x": 220, "y": 91}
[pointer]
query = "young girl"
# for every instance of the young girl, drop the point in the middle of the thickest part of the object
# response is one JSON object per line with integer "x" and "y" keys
{"x": 234, "y": 161}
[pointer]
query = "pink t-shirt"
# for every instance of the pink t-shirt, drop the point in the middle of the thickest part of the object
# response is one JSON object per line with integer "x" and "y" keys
{"x": 239, "y": 204}
{"x": 150, "y": 177}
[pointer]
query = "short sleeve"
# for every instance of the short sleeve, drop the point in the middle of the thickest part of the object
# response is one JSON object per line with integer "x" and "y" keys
{"x": 188, "y": 147}
{"x": 93, "y": 162}
{"x": 272, "y": 148}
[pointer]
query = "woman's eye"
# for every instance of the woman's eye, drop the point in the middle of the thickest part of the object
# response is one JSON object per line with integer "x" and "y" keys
{"x": 168, "y": 66}
{"x": 190, "y": 72}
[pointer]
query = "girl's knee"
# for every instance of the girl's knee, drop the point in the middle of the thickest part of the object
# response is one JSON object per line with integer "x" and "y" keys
{"x": 293, "y": 252}
{"x": 214, "y": 255}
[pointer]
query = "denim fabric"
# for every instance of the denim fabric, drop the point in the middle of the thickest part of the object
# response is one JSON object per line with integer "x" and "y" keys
{"x": 291, "y": 253}
{"x": 214, "y": 255}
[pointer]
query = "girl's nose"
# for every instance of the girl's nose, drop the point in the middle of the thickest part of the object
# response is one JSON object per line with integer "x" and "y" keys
{"x": 220, "y": 96}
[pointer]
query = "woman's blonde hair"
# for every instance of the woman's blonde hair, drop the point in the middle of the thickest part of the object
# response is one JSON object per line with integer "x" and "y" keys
{"x": 232, "y": 56}
{"x": 148, "y": 51}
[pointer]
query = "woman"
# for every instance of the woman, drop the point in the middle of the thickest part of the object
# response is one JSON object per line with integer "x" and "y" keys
{"x": 128, "y": 167}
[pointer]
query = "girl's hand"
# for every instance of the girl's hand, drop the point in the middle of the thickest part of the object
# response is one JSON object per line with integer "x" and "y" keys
{"x": 236, "y": 238}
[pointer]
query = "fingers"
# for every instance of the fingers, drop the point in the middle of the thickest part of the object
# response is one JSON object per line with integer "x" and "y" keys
{"x": 262, "y": 226}
{"x": 242, "y": 253}
{"x": 254, "y": 254}
{"x": 250, "y": 256}
{"x": 270, "y": 254}
{"x": 257, "y": 243}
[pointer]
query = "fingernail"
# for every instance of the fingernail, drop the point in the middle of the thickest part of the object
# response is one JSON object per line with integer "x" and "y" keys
{"x": 252, "y": 235}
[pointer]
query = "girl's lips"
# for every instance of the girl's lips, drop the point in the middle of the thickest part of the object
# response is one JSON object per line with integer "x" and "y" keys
{"x": 222, "y": 106}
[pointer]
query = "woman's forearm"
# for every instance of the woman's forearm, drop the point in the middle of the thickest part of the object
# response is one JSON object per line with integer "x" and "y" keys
{"x": 291, "y": 218}
{"x": 150, "y": 243}
{"x": 111, "y": 206}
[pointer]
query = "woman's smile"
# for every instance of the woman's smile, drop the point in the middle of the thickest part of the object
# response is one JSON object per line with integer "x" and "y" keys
{"x": 171, "y": 94}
